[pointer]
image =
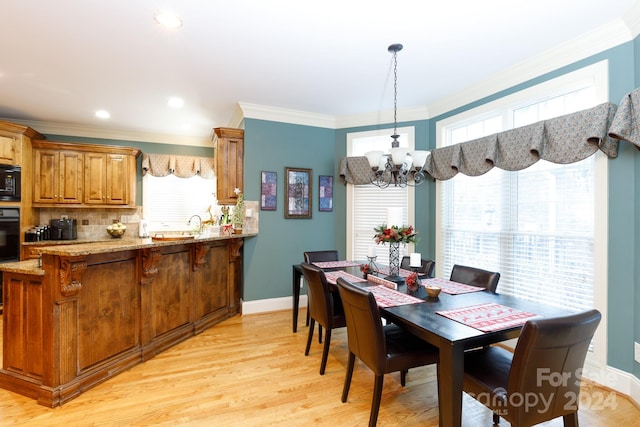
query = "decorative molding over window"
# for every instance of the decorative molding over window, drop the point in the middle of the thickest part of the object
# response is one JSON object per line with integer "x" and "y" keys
{"x": 181, "y": 166}
{"x": 565, "y": 139}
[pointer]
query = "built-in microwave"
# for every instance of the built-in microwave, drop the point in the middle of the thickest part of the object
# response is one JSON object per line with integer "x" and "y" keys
{"x": 9, "y": 183}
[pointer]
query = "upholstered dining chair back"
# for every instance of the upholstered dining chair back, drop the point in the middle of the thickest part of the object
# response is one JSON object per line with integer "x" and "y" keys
{"x": 475, "y": 277}
{"x": 427, "y": 265}
{"x": 321, "y": 256}
{"x": 540, "y": 381}
{"x": 383, "y": 349}
{"x": 322, "y": 308}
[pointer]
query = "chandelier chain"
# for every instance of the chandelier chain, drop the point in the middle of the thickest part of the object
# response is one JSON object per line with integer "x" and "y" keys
{"x": 395, "y": 91}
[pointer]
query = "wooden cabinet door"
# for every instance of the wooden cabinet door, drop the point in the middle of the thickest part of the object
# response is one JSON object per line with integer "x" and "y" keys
{"x": 45, "y": 176}
{"x": 70, "y": 177}
{"x": 118, "y": 179}
{"x": 229, "y": 157}
{"x": 58, "y": 177}
{"x": 106, "y": 179}
{"x": 8, "y": 150}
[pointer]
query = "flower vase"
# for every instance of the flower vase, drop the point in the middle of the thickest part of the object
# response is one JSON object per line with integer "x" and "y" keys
{"x": 394, "y": 263}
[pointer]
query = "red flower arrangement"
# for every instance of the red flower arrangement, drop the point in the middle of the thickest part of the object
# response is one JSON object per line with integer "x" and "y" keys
{"x": 412, "y": 281}
{"x": 395, "y": 234}
{"x": 364, "y": 268}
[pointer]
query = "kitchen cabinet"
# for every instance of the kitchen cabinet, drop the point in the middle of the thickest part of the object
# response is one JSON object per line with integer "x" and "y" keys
{"x": 106, "y": 178}
{"x": 8, "y": 148}
{"x": 58, "y": 176}
{"x": 229, "y": 158}
{"x": 81, "y": 175}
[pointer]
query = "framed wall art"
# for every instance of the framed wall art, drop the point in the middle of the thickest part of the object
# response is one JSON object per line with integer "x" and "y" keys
{"x": 325, "y": 193}
{"x": 268, "y": 191}
{"x": 297, "y": 193}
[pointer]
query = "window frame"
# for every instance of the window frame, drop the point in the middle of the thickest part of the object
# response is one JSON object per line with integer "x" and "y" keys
{"x": 596, "y": 75}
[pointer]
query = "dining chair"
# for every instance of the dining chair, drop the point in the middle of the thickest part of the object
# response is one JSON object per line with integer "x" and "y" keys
{"x": 323, "y": 309}
{"x": 475, "y": 277}
{"x": 384, "y": 349}
{"x": 320, "y": 256}
{"x": 426, "y": 268}
{"x": 540, "y": 381}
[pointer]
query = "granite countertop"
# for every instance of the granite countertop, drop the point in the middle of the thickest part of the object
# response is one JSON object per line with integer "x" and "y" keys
{"x": 80, "y": 248}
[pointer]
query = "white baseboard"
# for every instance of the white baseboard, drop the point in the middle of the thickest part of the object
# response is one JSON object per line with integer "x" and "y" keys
{"x": 271, "y": 304}
{"x": 607, "y": 376}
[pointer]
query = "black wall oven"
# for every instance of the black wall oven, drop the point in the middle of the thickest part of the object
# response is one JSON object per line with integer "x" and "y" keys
{"x": 9, "y": 238}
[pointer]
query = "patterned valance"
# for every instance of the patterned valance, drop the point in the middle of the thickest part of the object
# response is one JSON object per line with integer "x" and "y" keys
{"x": 626, "y": 122}
{"x": 565, "y": 139}
{"x": 180, "y": 166}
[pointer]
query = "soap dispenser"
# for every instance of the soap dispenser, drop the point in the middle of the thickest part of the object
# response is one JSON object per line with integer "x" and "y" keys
{"x": 142, "y": 230}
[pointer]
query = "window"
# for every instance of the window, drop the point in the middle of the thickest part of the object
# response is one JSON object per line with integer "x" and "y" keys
{"x": 542, "y": 228}
{"x": 170, "y": 201}
{"x": 367, "y": 204}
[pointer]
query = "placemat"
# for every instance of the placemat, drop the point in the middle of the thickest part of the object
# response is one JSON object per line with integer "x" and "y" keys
{"x": 449, "y": 287}
{"x": 335, "y": 264}
{"x": 386, "y": 297}
{"x": 332, "y": 277}
{"x": 488, "y": 317}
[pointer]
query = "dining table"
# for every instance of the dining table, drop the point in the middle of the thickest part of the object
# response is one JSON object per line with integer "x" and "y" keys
{"x": 460, "y": 318}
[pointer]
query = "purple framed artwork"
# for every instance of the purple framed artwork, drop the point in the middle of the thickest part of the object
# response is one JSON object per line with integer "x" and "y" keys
{"x": 325, "y": 194}
{"x": 297, "y": 193}
{"x": 268, "y": 191}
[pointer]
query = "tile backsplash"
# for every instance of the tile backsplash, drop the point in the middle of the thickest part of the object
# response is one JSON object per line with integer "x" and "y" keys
{"x": 92, "y": 223}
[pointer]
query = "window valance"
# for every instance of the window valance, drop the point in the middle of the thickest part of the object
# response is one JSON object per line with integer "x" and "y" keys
{"x": 626, "y": 123}
{"x": 181, "y": 166}
{"x": 565, "y": 139}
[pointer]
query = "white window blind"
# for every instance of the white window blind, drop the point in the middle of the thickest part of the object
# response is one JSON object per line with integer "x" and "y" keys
{"x": 367, "y": 204}
{"x": 536, "y": 227}
{"x": 170, "y": 201}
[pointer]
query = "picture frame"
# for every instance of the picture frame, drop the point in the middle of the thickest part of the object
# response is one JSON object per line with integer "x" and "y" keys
{"x": 297, "y": 193}
{"x": 325, "y": 193}
{"x": 268, "y": 191}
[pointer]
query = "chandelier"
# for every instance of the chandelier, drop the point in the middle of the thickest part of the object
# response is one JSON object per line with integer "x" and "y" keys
{"x": 399, "y": 166}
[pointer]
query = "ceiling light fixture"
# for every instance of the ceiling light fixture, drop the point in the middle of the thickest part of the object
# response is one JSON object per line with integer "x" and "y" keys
{"x": 168, "y": 19}
{"x": 103, "y": 114}
{"x": 399, "y": 166}
{"x": 175, "y": 102}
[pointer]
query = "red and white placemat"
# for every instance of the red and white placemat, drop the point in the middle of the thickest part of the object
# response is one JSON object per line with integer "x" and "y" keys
{"x": 488, "y": 317}
{"x": 449, "y": 287}
{"x": 332, "y": 277}
{"x": 335, "y": 264}
{"x": 386, "y": 297}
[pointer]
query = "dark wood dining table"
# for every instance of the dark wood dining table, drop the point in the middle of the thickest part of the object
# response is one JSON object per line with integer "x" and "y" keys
{"x": 452, "y": 337}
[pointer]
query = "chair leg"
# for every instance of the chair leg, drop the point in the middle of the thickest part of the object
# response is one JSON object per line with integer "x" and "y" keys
{"x": 310, "y": 337}
{"x": 571, "y": 420}
{"x": 375, "y": 404}
{"x": 496, "y": 419}
{"x": 319, "y": 333}
{"x": 347, "y": 378}
{"x": 325, "y": 350}
{"x": 308, "y": 315}
{"x": 403, "y": 377}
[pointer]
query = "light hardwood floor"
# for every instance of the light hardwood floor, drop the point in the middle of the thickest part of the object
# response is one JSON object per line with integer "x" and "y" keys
{"x": 251, "y": 371}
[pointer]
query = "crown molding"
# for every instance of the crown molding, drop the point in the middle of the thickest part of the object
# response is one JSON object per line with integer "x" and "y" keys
{"x": 276, "y": 114}
{"x": 605, "y": 37}
{"x": 67, "y": 129}
{"x": 382, "y": 117}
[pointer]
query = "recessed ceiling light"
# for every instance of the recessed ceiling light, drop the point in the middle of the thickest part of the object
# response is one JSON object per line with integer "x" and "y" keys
{"x": 168, "y": 19}
{"x": 176, "y": 102}
{"x": 103, "y": 114}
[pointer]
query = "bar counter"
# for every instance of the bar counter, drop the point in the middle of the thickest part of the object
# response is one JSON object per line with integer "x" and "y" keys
{"x": 88, "y": 311}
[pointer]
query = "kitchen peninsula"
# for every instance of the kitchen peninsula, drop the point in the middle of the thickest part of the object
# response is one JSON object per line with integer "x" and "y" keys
{"x": 93, "y": 310}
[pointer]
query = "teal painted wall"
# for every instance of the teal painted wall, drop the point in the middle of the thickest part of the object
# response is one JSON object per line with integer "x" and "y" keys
{"x": 272, "y": 146}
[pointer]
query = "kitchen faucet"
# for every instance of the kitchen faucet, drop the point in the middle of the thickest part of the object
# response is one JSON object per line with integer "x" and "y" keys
{"x": 199, "y": 222}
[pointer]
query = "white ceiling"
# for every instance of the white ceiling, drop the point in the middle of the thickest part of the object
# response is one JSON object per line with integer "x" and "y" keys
{"x": 60, "y": 60}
